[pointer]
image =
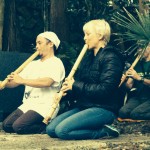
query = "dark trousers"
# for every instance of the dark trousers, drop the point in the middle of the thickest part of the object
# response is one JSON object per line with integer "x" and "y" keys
{"x": 136, "y": 108}
{"x": 24, "y": 123}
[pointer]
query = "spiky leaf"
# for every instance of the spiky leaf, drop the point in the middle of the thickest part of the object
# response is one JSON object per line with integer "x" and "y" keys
{"x": 135, "y": 29}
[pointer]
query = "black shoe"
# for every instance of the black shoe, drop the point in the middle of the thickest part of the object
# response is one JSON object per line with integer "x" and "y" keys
{"x": 111, "y": 131}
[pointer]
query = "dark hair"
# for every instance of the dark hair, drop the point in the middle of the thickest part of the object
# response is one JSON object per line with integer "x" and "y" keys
{"x": 55, "y": 49}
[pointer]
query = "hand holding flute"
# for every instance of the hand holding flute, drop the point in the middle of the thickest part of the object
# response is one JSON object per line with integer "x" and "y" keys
{"x": 33, "y": 56}
{"x": 132, "y": 66}
{"x": 67, "y": 85}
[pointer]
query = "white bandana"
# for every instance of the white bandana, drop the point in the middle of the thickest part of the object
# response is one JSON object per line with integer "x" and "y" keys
{"x": 52, "y": 37}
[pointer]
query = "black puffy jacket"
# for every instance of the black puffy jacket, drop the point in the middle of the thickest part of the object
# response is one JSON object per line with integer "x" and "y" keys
{"x": 98, "y": 78}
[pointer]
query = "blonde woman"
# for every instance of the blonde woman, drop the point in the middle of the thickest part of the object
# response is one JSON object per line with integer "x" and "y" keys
{"x": 94, "y": 91}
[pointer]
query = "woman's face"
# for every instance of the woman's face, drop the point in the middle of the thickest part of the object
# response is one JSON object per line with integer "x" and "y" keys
{"x": 91, "y": 38}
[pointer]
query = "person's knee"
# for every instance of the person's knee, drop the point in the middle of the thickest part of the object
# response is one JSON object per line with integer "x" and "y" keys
{"x": 123, "y": 113}
{"x": 138, "y": 114}
{"x": 50, "y": 131}
{"x": 18, "y": 128}
{"x": 62, "y": 133}
{"x": 135, "y": 115}
{"x": 5, "y": 126}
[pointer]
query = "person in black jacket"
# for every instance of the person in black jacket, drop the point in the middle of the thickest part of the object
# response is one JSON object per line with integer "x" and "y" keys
{"x": 94, "y": 90}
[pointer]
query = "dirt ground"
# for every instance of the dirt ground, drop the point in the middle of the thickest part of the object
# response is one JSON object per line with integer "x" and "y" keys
{"x": 134, "y": 136}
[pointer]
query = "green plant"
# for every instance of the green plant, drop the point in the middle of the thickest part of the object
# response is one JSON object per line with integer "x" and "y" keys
{"x": 68, "y": 53}
{"x": 136, "y": 29}
{"x": 81, "y": 11}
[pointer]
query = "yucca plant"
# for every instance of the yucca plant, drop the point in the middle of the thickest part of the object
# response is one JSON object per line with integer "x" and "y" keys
{"x": 136, "y": 29}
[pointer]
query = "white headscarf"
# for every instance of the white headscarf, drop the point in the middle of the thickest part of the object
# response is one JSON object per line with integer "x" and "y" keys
{"x": 52, "y": 37}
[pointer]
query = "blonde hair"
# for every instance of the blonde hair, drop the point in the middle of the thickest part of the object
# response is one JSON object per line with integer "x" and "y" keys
{"x": 102, "y": 27}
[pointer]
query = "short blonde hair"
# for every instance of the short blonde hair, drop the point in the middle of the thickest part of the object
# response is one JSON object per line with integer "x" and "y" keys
{"x": 102, "y": 27}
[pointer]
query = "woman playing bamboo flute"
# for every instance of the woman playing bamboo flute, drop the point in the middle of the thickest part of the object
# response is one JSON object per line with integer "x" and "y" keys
{"x": 42, "y": 79}
{"x": 94, "y": 91}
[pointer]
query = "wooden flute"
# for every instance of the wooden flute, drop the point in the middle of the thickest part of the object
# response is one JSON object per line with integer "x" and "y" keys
{"x": 133, "y": 65}
{"x": 60, "y": 94}
{"x": 19, "y": 69}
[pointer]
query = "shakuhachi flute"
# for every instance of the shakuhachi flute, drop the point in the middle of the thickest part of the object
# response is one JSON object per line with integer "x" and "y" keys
{"x": 133, "y": 65}
{"x": 60, "y": 94}
{"x": 33, "y": 56}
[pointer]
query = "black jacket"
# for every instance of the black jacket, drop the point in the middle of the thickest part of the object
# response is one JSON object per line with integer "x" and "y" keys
{"x": 98, "y": 78}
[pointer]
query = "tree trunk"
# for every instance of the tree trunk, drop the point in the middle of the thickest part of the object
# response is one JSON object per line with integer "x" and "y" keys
{"x": 58, "y": 19}
{"x": 11, "y": 39}
{"x": 121, "y": 43}
{"x": 1, "y": 21}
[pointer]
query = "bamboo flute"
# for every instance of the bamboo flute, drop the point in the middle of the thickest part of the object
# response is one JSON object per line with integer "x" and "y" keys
{"x": 60, "y": 94}
{"x": 133, "y": 65}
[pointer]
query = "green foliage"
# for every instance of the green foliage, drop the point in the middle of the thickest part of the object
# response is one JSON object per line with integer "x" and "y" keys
{"x": 126, "y": 3}
{"x": 68, "y": 54}
{"x": 135, "y": 29}
{"x": 81, "y": 11}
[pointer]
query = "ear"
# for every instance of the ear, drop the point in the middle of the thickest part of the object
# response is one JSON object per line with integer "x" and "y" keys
{"x": 51, "y": 44}
{"x": 100, "y": 36}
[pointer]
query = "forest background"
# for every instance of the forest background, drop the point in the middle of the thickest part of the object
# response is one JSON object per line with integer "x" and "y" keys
{"x": 22, "y": 20}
